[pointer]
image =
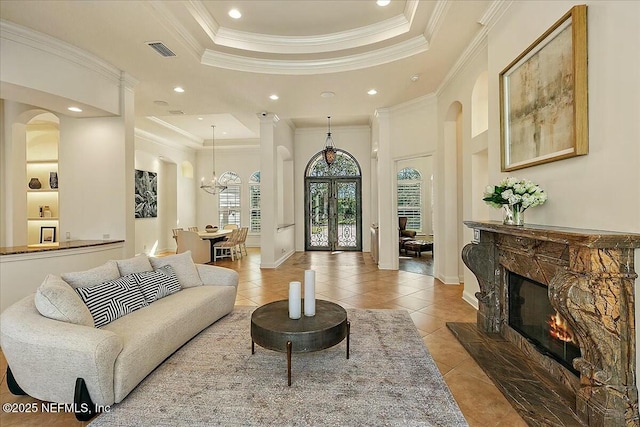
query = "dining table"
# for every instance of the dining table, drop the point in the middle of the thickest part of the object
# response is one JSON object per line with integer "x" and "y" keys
{"x": 214, "y": 237}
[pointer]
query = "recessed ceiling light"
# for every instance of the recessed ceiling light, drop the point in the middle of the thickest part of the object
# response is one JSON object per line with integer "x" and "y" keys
{"x": 159, "y": 102}
{"x": 178, "y": 89}
{"x": 75, "y": 109}
{"x": 372, "y": 91}
{"x": 415, "y": 78}
{"x": 383, "y": 2}
{"x": 200, "y": 118}
{"x": 235, "y": 14}
{"x": 274, "y": 97}
{"x": 327, "y": 94}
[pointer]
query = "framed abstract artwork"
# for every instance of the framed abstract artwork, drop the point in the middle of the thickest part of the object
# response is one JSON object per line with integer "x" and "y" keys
{"x": 544, "y": 99}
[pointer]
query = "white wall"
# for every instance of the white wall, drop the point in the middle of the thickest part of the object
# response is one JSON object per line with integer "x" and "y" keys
{"x": 599, "y": 190}
{"x": 403, "y": 132}
{"x": 92, "y": 177}
{"x": 95, "y": 154}
{"x": 356, "y": 140}
{"x": 35, "y": 66}
{"x": 459, "y": 91}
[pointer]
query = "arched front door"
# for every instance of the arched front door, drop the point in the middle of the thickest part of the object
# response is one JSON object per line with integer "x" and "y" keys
{"x": 333, "y": 204}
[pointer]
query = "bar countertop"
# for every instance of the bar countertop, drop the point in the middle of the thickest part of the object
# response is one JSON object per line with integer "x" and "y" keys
{"x": 58, "y": 246}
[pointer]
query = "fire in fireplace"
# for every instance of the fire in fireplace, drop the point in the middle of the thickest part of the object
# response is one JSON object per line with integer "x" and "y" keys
{"x": 531, "y": 315}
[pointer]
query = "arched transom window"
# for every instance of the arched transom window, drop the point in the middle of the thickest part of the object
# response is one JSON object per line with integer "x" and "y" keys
{"x": 229, "y": 200}
{"x": 345, "y": 165}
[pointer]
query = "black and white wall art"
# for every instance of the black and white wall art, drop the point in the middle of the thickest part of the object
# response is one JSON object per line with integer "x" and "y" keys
{"x": 146, "y": 184}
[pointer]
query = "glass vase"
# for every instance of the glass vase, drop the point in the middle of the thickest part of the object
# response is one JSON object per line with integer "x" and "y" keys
{"x": 513, "y": 215}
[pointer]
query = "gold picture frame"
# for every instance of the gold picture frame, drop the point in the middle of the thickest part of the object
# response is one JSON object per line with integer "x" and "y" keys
{"x": 544, "y": 97}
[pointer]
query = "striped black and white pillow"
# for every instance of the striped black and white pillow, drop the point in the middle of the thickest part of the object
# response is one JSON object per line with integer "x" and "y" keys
{"x": 158, "y": 283}
{"x": 111, "y": 300}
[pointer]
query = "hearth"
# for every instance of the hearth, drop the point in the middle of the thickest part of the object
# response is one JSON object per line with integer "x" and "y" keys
{"x": 531, "y": 314}
{"x": 590, "y": 279}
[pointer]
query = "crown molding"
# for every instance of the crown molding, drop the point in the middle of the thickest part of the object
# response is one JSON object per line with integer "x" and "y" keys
{"x": 341, "y": 130}
{"x": 437, "y": 19}
{"x": 153, "y": 138}
{"x": 202, "y": 16}
{"x": 381, "y": 56}
{"x": 65, "y": 51}
{"x": 191, "y": 137}
{"x": 415, "y": 103}
{"x": 170, "y": 21}
{"x": 243, "y": 147}
{"x": 349, "y": 39}
{"x": 492, "y": 15}
{"x": 266, "y": 43}
{"x": 494, "y": 12}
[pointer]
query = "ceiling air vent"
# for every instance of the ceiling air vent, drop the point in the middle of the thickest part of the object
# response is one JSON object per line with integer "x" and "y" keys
{"x": 178, "y": 112}
{"x": 161, "y": 48}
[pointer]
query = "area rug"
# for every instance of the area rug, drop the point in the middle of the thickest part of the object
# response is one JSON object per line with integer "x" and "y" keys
{"x": 390, "y": 379}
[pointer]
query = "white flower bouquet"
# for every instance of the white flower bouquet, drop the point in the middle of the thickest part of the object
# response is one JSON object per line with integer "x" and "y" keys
{"x": 521, "y": 193}
{"x": 514, "y": 196}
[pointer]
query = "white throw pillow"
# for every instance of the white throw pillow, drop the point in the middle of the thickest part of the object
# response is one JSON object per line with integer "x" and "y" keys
{"x": 184, "y": 267}
{"x": 158, "y": 283}
{"x": 95, "y": 276}
{"x": 111, "y": 300}
{"x": 137, "y": 264}
{"x": 57, "y": 300}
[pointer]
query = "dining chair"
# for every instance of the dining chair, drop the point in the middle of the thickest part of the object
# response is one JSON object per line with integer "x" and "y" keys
{"x": 190, "y": 241}
{"x": 243, "y": 240}
{"x": 227, "y": 247}
{"x": 230, "y": 227}
{"x": 193, "y": 229}
{"x": 175, "y": 233}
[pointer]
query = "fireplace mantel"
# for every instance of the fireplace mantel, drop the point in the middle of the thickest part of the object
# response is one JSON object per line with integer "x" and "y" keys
{"x": 590, "y": 277}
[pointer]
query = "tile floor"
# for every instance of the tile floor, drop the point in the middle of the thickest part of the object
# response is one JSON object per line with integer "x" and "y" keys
{"x": 354, "y": 281}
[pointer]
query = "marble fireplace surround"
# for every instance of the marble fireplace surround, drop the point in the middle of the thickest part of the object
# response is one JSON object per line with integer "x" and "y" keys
{"x": 590, "y": 277}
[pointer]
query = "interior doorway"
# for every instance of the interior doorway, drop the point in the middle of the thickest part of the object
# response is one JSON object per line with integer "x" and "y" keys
{"x": 414, "y": 188}
{"x": 333, "y": 204}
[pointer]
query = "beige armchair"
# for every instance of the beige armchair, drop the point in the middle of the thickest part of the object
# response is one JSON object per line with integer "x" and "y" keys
{"x": 190, "y": 241}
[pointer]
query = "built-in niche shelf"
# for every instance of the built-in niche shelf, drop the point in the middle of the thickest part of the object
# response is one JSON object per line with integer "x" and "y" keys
{"x": 41, "y": 161}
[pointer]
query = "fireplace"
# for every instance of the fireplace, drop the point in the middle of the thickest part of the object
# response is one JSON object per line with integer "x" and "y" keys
{"x": 531, "y": 314}
{"x": 577, "y": 284}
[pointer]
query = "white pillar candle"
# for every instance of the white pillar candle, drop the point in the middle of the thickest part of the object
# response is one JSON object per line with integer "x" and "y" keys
{"x": 309, "y": 293}
{"x": 295, "y": 300}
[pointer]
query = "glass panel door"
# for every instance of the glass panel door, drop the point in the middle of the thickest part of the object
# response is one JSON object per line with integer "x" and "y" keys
{"x": 347, "y": 208}
{"x": 317, "y": 214}
{"x": 333, "y": 214}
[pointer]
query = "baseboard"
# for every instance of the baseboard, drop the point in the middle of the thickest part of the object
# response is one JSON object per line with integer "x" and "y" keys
{"x": 279, "y": 261}
{"x": 470, "y": 298}
{"x": 449, "y": 280}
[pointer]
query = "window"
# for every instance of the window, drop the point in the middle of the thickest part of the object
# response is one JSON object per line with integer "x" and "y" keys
{"x": 229, "y": 201}
{"x": 254, "y": 202}
{"x": 345, "y": 165}
{"x": 410, "y": 197}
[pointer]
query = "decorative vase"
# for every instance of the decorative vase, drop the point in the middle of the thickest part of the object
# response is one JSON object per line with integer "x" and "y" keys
{"x": 53, "y": 180}
{"x": 35, "y": 184}
{"x": 513, "y": 215}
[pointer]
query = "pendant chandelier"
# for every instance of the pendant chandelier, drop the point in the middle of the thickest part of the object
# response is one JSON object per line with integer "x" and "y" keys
{"x": 329, "y": 152}
{"x": 213, "y": 187}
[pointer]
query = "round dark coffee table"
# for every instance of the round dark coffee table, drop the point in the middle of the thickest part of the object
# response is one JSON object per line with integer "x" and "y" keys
{"x": 272, "y": 329}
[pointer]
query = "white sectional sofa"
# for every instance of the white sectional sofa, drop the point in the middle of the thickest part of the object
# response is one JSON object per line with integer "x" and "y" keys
{"x": 56, "y": 353}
